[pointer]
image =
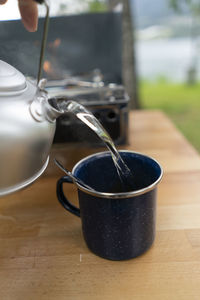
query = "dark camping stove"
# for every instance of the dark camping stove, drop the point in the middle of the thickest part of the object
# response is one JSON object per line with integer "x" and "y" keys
{"x": 108, "y": 102}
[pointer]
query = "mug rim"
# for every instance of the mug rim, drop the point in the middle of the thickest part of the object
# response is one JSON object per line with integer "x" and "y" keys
{"x": 123, "y": 194}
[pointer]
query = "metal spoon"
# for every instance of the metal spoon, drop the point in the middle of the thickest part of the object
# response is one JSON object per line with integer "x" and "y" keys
{"x": 74, "y": 178}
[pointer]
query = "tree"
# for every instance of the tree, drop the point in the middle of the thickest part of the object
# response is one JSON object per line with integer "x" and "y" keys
{"x": 194, "y": 7}
{"x": 129, "y": 68}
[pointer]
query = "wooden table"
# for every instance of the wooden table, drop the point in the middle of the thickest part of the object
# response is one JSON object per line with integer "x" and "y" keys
{"x": 42, "y": 251}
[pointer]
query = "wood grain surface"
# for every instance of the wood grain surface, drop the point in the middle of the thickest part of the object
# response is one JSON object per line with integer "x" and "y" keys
{"x": 42, "y": 252}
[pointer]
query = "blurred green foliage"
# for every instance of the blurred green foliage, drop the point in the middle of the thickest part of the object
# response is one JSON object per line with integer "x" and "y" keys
{"x": 192, "y": 5}
{"x": 97, "y": 6}
{"x": 180, "y": 102}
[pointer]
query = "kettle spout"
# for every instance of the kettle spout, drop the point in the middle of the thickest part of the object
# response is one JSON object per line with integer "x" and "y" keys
{"x": 43, "y": 109}
{"x": 52, "y": 110}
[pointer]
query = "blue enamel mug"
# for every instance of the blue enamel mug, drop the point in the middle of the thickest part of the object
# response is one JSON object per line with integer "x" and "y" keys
{"x": 116, "y": 225}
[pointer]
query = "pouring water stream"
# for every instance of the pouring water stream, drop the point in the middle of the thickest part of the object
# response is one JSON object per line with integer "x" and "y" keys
{"x": 124, "y": 173}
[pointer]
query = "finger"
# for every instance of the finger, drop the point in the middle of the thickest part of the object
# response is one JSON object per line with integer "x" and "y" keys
{"x": 29, "y": 13}
{"x": 3, "y": 1}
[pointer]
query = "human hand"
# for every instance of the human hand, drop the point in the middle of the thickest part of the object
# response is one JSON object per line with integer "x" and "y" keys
{"x": 29, "y": 13}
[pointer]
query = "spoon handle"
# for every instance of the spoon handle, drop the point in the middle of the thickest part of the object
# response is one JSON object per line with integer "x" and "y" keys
{"x": 74, "y": 179}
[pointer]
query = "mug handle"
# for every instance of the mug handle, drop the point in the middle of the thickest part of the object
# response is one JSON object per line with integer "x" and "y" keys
{"x": 63, "y": 200}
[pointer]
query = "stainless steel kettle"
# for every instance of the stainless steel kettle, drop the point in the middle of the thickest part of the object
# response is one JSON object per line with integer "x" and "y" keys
{"x": 27, "y": 127}
{"x": 27, "y": 124}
